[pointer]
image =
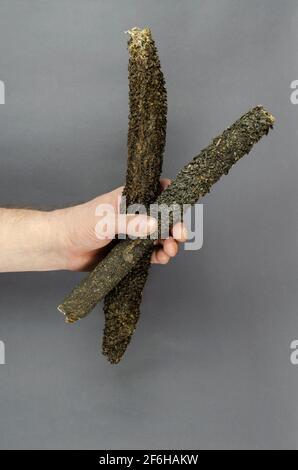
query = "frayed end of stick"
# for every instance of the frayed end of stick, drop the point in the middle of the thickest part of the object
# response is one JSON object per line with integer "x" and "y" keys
{"x": 268, "y": 115}
{"x": 139, "y": 38}
{"x": 68, "y": 318}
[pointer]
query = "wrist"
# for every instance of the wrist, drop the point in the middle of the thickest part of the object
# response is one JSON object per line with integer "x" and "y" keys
{"x": 58, "y": 246}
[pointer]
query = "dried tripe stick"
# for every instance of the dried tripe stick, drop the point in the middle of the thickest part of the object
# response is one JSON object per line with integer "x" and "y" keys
{"x": 192, "y": 182}
{"x": 146, "y": 142}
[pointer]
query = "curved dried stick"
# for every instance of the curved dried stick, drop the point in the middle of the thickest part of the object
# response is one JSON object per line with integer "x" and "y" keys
{"x": 146, "y": 142}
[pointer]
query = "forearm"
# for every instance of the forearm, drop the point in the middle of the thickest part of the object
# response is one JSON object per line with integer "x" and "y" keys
{"x": 31, "y": 240}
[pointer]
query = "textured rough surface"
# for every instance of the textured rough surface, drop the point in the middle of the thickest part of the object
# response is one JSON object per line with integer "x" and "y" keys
{"x": 85, "y": 296}
{"x": 122, "y": 310}
{"x": 192, "y": 182}
{"x": 146, "y": 142}
{"x": 147, "y": 119}
{"x": 197, "y": 178}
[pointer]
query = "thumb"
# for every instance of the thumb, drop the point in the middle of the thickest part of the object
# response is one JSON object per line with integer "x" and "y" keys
{"x": 135, "y": 225}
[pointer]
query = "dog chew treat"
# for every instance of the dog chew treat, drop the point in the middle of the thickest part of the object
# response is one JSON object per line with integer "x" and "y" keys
{"x": 122, "y": 310}
{"x": 192, "y": 182}
{"x": 147, "y": 119}
{"x": 146, "y": 142}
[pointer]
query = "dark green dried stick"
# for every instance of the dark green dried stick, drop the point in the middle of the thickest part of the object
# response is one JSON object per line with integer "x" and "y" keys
{"x": 122, "y": 310}
{"x": 193, "y": 182}
{"x": 146, "y": 142}
{"x": 147, "y": 119}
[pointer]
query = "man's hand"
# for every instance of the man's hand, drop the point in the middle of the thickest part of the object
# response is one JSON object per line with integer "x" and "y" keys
{"x": 66, "y": 238}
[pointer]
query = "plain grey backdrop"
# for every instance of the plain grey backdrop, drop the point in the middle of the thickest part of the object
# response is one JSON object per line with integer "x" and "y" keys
{"x": 209, "y": 365}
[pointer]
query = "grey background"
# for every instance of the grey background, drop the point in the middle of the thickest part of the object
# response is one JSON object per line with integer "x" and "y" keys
{"x": 209, "y": 366}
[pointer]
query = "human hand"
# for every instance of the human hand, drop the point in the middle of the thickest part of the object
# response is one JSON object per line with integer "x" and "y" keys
{"x": 82, "y": 249}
